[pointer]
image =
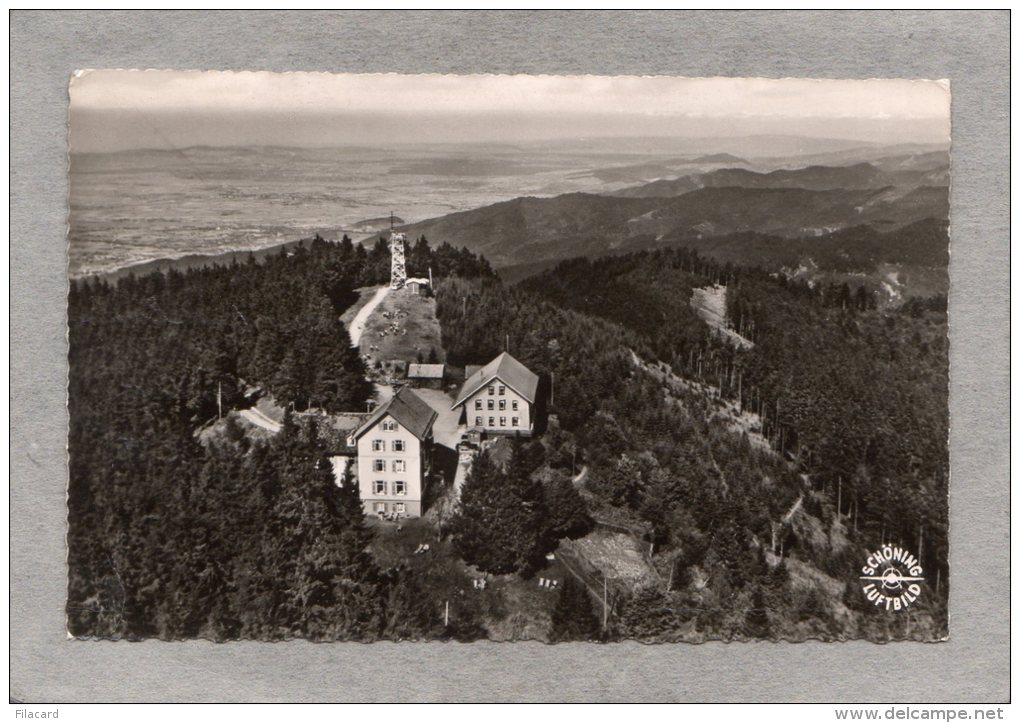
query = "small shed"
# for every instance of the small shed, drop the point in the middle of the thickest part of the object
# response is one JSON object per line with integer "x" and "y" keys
{"x": 418, "y": 285}
{"x": 426, "y": 375}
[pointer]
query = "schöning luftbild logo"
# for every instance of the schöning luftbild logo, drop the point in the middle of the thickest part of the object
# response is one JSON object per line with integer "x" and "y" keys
{"x": 892, "y": 578}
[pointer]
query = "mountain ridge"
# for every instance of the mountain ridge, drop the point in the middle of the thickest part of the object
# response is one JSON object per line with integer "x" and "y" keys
{"x": 527, "y": 230}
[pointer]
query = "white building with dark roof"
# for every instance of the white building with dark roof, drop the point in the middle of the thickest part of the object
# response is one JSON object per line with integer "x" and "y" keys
{"x": 395, "y": 455}
{"x": 500, "y": 397}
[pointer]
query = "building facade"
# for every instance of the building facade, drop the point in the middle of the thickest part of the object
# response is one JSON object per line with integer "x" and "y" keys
{"x": 394, "y": 456}
{"x": 499, "y": 398}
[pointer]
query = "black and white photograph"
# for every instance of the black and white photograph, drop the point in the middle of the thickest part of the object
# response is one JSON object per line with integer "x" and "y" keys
{"x": 555, "y": 358}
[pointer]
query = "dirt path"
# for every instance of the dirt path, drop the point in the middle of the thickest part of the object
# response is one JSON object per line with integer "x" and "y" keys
{"x": 357, "y": 326}
{"x": 793, "y": 510}
{"x": 260, "y": 420}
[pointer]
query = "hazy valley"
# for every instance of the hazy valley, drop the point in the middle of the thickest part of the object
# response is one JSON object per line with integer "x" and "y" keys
{"x": 519, "y": 205}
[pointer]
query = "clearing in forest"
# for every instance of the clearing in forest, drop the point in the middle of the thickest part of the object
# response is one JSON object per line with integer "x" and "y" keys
{"x": 616, "y": 554}
{"x": 710, "y": 303}
{"x": 400, "y": 327}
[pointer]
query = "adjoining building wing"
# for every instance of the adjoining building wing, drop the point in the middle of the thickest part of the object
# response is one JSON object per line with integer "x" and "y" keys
{"x": 509, "y": 371}
{"x": 408, "y": 409}
{"x": 336, "y": 432}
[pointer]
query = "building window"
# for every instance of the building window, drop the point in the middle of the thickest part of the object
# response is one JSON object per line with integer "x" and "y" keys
{"x": 492, "y": 405}
{"x": 502, "y": 390}
{"x": 398, "y": 445}
{"x": 492, "y": 422}
{"x": 399, "y": 465}
{"x": 400, "y": 487}
{"x": 516, "y": 421}
{"x": 478, "y": 404}
{"x": 380, "y": 508}
{"x": 513, "y": 405}
{"x": 502, "y": 421}
{"x": 399, "y": 508}
{"x": 379, "y": 487}
{"x": 389, "y": 425}
{"x": 478, "y": 421}
{"x": 378, "y": 465}
{"x": 492, "y": 390}
{"x": 502, "y": 405}
{"x": 378, "y": 445}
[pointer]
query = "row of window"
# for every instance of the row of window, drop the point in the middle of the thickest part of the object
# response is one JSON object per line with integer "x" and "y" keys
{"x": 379, "y": 445}
{"x": 398, "y": 465}
{"x": 380, "y": 486}
{"x": 399, "y": 508}
{"x": 389, "y": 425}
{"x": 492, "y": 402}
{"x": 502, "y": 390}
{"x": 514, "y": 421}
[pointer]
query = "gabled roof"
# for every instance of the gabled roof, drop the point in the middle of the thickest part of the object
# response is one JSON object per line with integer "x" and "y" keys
{"x": 425, "y": 371}
{"x": 409, "y": 410}
{"x": 509, "y": 371}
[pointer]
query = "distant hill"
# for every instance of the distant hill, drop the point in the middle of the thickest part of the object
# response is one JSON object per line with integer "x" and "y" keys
{"x": 720, "y": 158}
{"x": 529, "y": 229}
{"x": 378, "y": 221}
{"x": 900, "y": 155}
{"x": 534, "y": 230}
{"x": 372, "y": 225}
{"x": 788, "y": 212}
{"x": 855, "y": 249}
{"x": 909, "y": 261}
{"x": 197, "y": 261}
{"x": 814, "y": 178}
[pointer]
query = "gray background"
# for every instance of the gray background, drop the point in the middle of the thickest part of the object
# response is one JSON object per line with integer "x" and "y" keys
{"x": 971, "y": 49}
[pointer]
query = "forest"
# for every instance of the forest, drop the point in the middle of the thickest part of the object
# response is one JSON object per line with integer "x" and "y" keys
{"x": 873, "y": 436}
{"x": 171, "y": 538}
{"x": 753, "y": 533}
{"x": 864, "y": 449}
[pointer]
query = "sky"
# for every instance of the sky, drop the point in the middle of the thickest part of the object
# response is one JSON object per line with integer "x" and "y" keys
{"x": 119, "y": 110}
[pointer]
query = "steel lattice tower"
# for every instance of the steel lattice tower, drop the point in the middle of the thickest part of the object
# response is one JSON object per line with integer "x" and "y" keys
{"x": 398, "y": 273}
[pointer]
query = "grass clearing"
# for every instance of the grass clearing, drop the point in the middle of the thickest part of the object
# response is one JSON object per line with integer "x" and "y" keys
{"x": 403, "y": 326}
{"x": 616, "y": 554}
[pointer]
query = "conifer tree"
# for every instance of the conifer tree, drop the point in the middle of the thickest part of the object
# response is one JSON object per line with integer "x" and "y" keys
{"x": 568, "y": 513}
{"x": 499, "y": 524}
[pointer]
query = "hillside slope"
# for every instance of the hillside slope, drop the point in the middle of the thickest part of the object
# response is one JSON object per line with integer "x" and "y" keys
{"x": 531, "y": 230}
{"x": 856, "y": 249}
{"x": 906, "y": 172}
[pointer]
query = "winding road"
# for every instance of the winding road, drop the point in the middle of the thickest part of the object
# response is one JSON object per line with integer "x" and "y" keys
{"x": 357, "y": 327}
